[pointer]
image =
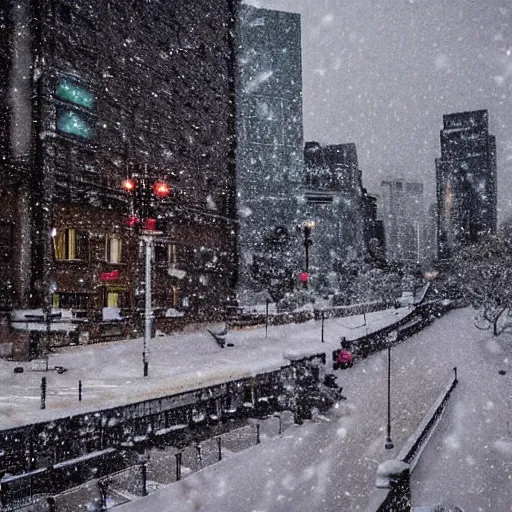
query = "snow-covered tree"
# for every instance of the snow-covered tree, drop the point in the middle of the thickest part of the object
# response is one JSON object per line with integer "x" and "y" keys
{"x": 485, "y": 274}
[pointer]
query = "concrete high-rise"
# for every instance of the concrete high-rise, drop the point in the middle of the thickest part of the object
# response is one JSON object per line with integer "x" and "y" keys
{"x": 466, "y": 182}
{"x": 269, "y": 157}
{"x": 334, "y": 201}
{"x": 403, "y": 212}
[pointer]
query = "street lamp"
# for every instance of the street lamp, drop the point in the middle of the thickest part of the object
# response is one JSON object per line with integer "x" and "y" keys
{"x": 389, "y": 443}
{"x": 307, "y": 226}
{"x": 140, "y": 187}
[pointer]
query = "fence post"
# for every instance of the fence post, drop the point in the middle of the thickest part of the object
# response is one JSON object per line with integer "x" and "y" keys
{"x": 103, "y": 489}
{"x": 52, "y": 506}
{"x": 199, "y": 455}
{"x": 258, "y": 433}
{"x": 3, "y": 492}
{"x": 144, "y": 475}
{"x": 323, "y": 318}
{"x": 79, "y": 390}
{"x": 178, "y": 465}
{"x": 43, "y": 393}
{"x": 219, "y": 447}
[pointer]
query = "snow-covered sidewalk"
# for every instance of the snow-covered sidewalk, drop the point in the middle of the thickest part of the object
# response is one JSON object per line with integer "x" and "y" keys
{"x": 112, "y": 373}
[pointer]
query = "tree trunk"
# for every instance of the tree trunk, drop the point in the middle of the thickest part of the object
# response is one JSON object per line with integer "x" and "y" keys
{"x": 495, "y": 323}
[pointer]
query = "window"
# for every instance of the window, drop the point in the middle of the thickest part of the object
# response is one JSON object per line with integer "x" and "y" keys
{"x": 166, "y": 254}
{"x": 6, "y": 241}
{"x": 113, "y": 300}
{"x": 71, "y": 244}
{"x": 168, "y": 298}
{"x": 65, "y": 14}
{"x": 70, "y": 91}
{"x": 76, "y": 301}
{"x": 74, "y": 123}
{"x": 175, "y": 296}
{"x": 113, "y": 249}
{"x": 115, "y": 297}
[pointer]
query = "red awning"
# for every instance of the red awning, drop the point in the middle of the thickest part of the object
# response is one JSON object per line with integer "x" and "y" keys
{"x": 110, "y": 276}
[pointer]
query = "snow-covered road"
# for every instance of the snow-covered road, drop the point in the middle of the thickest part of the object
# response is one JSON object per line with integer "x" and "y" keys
{"x": 331, "y": 465}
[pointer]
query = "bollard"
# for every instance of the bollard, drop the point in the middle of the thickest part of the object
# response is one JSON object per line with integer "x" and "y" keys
{"x": 52, "y": 506}
{"x": 258, "y": 433}
{"x": 199, "y": 455}
{"x": 178, "y": 465}
{"x": 323, "y": 319}
{"x": 103, "y": 490}
{"x": 79, "y": 390}
{"x": 266, "y": 318}
{"x": 280, "y": 425}
{"x": 43, "y": 393}
{"x": 219, "y": 448}
{"x": 455, "y": 372}
{"x": 3, "y": 493}
{"x": 144, "y": 475}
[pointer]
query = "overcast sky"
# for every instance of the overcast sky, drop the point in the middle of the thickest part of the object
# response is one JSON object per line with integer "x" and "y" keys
{"x": 381, "y": 73}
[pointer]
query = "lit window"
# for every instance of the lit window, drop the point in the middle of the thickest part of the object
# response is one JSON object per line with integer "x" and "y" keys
{"x": 70, "y": 244}
{"x": 112, "y": 299}
{"x": 77, "y": 301}
{"x": 166, "y": 254}
{"x": 70, "y": 91}
{"x": 175, "y": 296}
{"x": 73, "y": 123}
{"x": 113, "y": 249}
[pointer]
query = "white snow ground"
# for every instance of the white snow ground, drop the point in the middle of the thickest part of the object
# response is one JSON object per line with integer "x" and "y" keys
{"x": 111, "y": 373}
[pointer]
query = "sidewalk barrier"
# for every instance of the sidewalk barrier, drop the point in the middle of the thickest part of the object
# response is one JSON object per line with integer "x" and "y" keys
{"x": 419, "y": 317}
{"x": 393, "y": 492}
{"x": 297, "y": 317}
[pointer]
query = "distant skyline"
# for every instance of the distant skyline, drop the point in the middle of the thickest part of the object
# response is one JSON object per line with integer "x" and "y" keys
{"x": 382, "y": 73}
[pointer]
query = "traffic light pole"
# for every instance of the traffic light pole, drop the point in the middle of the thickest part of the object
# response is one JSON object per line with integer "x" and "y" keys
{"x": 148, "y": 237}
{"x": 140, "y": 187}
{"x": 148, "y": 314}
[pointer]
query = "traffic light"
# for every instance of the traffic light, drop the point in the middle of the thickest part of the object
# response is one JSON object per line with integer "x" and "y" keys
{"x": 144, "y": 191}
{"x": 161, "y": 189}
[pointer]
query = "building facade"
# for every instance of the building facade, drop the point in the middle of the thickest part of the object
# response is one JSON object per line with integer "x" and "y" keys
{"x": 269, "y": 155}
{"x": 334, "y": 202}
{"x": 466, "y": 178}
{"x": 94, "y": 93}
{"x": 404, "y": 220}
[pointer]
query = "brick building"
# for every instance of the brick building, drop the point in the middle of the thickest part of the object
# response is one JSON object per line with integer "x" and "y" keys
{"x": 96, "y": 92}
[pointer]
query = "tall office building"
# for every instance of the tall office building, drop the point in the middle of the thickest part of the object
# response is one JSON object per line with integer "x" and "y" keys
{"x": 334, "y": 202}
{"x": 269, "y": 156}
{"x": 403, "y": 215}
{"x": 466, "y": 182}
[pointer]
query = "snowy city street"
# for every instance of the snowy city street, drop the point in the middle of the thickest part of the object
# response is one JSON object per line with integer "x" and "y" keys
{"x": 331, "y": 464}
{"x": 111, "y": 373}
{"x": 256, "y": 256}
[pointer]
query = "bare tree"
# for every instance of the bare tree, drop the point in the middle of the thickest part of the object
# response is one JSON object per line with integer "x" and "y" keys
{"x": 485, "y": 274}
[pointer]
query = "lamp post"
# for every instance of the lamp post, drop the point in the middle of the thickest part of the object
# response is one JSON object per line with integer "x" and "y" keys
{"x": 389, "y": 443}
{"x": 143, "y": 188}
{"x": 306, "y": 229}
